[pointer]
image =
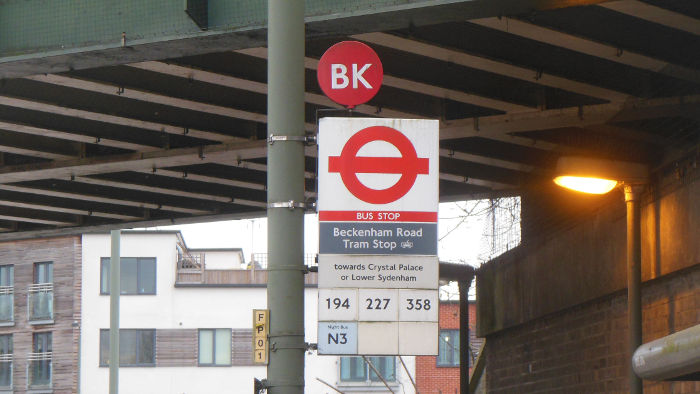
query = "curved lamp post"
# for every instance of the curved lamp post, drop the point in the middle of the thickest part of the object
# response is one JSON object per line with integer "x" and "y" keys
{"x": 597, "y": 176}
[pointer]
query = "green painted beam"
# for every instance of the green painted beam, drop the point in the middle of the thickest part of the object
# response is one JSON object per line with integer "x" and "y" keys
{"x": 38, "y": 36}
{"x": 38, "y": 26}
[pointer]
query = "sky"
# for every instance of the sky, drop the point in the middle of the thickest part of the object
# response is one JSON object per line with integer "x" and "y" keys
{"x": 460, "y": 238}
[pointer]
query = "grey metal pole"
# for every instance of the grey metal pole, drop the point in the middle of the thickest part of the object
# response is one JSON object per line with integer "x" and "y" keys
{"x": 285, "y": 196}
{"x": 114, "y": 291}
{"x": 634, "y": 279}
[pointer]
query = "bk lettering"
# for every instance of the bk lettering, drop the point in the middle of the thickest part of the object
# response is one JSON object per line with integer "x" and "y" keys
{"x": 340, "y": 79}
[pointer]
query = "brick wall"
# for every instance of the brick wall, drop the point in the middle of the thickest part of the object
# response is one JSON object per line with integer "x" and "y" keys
{"x": 583, "y": 349}
{"x": 431, "y": 379}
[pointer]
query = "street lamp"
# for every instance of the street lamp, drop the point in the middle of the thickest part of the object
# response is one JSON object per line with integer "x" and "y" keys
{"x": 598, "y": 176}
{"x": 586, "y": 184}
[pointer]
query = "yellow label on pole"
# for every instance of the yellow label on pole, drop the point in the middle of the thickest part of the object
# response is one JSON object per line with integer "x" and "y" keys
{"x": 261, "y": 330}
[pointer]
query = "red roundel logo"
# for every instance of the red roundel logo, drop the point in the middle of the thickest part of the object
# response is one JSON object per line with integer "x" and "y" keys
{"x": 350, "y": 73}
{"x": 348, "y": 164}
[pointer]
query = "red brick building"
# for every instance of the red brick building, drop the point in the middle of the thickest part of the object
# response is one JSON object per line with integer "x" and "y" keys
{"x": 440, "y": 375}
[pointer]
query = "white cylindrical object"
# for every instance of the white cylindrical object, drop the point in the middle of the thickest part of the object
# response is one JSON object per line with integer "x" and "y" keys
{"x": 671, "y": 357}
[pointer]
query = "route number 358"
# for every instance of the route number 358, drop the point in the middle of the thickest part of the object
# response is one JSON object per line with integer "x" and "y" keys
{"x": 418, "y": 304}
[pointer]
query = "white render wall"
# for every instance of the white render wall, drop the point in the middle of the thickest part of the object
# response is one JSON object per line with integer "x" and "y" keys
{"x": 222, "y": 260}
{"x": 187, "y": 307}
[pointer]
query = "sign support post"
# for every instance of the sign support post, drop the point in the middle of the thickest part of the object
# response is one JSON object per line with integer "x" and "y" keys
{"x": 285, "y": 196}
{"x": 114, "y": 293}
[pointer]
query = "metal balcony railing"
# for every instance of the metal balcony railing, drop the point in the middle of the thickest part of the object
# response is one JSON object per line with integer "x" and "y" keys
{"x": 39, "y": 370}
{"x": 191, "y": 261}
{"x": 6, "y": 371}
{"x": 7, "y": 306}
{"x": 191, "y": 270}
{"x": 40, "y": 303}
{"x": 189, "y": 267}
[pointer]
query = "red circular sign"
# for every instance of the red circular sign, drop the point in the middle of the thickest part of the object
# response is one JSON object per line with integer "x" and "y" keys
{"x": 350, "y": 73}
{"x": 348, "y": 164}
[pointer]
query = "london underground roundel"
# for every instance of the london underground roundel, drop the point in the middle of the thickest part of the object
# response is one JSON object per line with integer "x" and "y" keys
{"x": 350, "y": 73}
{"x": 408, "y": 165}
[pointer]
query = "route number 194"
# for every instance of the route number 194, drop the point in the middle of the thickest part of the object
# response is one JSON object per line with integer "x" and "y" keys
{"x": 337, "y": 303}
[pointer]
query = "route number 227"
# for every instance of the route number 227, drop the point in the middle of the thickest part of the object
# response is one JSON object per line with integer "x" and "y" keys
{"x": 377, "y": 303}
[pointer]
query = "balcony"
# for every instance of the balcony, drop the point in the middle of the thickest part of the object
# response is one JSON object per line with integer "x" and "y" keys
{"x": 193, "y": 270}
{"x": 40, "y": 303}
{"x": 5, "y": 373}
{"x": 39, "y": 373}
{"x": 190, "y": 268}
{"x": 7, "y": 306}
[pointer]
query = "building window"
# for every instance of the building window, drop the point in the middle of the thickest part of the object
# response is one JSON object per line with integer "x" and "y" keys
{"x": 40, "y": 361}
{"x": 448, "y": 348}
{"x": 43, "y": 272}
{"x": 214, "y": 347}
{"x": 137, "y": 348}
{"x": 7, "y": 295}
{"x": 355, "y": 369}
{"x": 137, "y": 275}
{"x": 40, "y": 294}
{"x": 5, "y": 361}
{"x": 7, "y": 275}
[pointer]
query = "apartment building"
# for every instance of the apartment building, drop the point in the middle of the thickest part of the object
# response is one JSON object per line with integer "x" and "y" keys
{"x": 186, "y": 323}
{"x": 176, "y": 331}
{"x": 185, "y": 318}
{"x": 39, "y": 315}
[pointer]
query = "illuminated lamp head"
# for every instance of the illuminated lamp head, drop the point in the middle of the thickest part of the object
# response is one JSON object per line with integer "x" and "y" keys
{"x": 597, "y": 176}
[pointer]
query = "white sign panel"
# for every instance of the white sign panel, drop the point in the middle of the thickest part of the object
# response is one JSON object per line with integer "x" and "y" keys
{"x": 378, "y": 338}
{"x": 418, "y": 338}
{"x": 389, "y": 272}
{"x": 378, "y": 266}
{"x": 373, "y": 169}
